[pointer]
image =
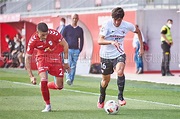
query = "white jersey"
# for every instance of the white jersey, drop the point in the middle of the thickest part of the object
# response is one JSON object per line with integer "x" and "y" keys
{"x": 116, "y": 34}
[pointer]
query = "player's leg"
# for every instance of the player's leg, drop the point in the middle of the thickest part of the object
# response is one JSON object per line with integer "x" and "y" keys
{"x": 103, "y": 85}
{"x": 56, "y": 84}
{"x": 139, "y": 59}
{"x": 140, "y": 64}
{"x": 45, "y": 91}
{"x": 166, "y": 55}
{"x": 119, "y": 68}
{"x": 58, "y": 72}
{"x": 107, "y": 69}
{"x": 73, "y": 64}
{"x": 163, "y": 72}
{"x": 20, "y": 59}
{"x": 136, "y": 61}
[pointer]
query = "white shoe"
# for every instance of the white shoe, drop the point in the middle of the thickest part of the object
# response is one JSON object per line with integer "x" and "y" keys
{"x": 47, "y": 108}
{"x": 68, "y": 81}
{"x": 139, "y": 71}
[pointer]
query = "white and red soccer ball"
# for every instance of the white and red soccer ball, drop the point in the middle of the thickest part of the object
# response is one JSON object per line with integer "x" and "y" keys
{"x": 111, "y": 107}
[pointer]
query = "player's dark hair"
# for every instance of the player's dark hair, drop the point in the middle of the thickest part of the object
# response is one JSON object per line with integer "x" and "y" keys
{"x": 42, "y": 27}
{"x": 7, "y": 36}
{"x": 63, "y": 19}
{"x": 170, "y": 20}
{"x": 117, "y": 13}
{"x": 137, "y": 26}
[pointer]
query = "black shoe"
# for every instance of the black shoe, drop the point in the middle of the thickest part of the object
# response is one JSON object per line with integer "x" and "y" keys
{"x": 163, "y": 74}
{"x": 169, "y": 74}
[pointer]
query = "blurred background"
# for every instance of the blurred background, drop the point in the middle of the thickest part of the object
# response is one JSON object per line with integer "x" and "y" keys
{"x": 22, "y": 16}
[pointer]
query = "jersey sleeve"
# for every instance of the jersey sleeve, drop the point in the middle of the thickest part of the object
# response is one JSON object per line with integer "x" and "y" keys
{"x": 31, "y": 45}
{"x": 104, "y": 29}
{"x": 60, "y": 37}
{"x": 56, "y": 35}
{"x": 131, "y": 27}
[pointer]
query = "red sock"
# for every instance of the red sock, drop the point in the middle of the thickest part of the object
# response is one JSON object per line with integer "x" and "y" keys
{"x": 52, "y": 85}
{"x": 45, "y": 92}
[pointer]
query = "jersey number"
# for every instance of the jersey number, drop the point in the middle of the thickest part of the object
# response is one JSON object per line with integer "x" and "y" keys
{"x": 61, "y": 72}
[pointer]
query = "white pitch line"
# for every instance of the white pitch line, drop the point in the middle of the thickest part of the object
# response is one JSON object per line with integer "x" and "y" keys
{"x": 90, "y": 93}
{"x": 159, "y": 103}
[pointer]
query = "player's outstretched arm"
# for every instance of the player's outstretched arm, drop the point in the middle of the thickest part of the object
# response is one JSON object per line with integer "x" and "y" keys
{"x": 28, "y": 68}
{"x": 140, "y": 41}
{"x": 65, "y": 45}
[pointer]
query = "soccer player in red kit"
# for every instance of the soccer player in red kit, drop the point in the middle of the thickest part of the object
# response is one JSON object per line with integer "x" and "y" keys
{"x": 49, "y": 45}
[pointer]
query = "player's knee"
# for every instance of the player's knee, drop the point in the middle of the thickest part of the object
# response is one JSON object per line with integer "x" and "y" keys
{"x": 60, "y": 87}
{"x": 120, "y": 73}
{"x": 104, "y": 83}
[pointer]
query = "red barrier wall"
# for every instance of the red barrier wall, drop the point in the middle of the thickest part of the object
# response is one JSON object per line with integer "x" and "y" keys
{"x": 93, "y": 22}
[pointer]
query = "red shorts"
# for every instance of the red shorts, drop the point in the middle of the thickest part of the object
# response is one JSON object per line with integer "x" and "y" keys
{"x": 51, "y": 64}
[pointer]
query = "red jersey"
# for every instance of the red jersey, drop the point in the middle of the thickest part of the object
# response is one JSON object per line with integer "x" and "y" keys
{"x": 48, "y": 53}
{"x": 49, "y": 46}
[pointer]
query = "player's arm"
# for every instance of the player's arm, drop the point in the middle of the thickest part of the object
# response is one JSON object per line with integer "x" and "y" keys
{"x": 28, "y": 68}
{"x": 140, "y": 41}
{"x": 28, "y": 55}
{"x": 103, "y": 41}
{"x": 102, "y": 34}
{"x": 66, "y": 47}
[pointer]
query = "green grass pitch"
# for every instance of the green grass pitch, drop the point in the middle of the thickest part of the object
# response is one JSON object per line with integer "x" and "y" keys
{"x": 21, "y": 100}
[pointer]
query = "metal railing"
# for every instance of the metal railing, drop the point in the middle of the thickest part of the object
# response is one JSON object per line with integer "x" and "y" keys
{"x": 47, "y": 8}
{"x": 76, "y": 10}
{"x": 14, "y": 7}
{"x": 43, "y": 5}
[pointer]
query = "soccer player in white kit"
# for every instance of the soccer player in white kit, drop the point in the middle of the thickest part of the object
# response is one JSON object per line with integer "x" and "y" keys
{"x": 112, "y": 54}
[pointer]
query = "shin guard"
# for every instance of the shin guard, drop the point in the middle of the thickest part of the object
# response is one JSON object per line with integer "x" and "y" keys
{"x": 102, "y": 94}
{"x": 121, "y": 84}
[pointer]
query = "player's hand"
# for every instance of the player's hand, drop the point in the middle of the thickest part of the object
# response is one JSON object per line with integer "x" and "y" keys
{"x": 115, "y": 43}
{"x": 33, "y": 80}
{"x": 66, "y": 67}
{"x": 171, "y": 43}
{"x": 141, "y": 52}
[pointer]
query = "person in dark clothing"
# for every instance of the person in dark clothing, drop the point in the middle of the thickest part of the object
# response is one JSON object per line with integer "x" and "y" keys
{"x": 11, "y": 45}
{"x": 61, "y": 26}
{"x": 17, "y": 53}
{"x": 166, "y": 43}
{"x": 7, "y": 54}
{"x": 74, "y": 36}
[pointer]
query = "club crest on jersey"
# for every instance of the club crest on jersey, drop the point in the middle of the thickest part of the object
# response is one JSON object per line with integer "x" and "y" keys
{"x": 50, "y": 43}
{"x": 102, "y": 29}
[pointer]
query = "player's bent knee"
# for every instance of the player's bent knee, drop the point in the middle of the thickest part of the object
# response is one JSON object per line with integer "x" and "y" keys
{"x": 120, "y": 73}
{"x": 104, "y": 83}
{"x": 60, "y": 87}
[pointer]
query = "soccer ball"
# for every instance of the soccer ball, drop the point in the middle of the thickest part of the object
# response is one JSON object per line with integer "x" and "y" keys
{"x": 111, "y": 107}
